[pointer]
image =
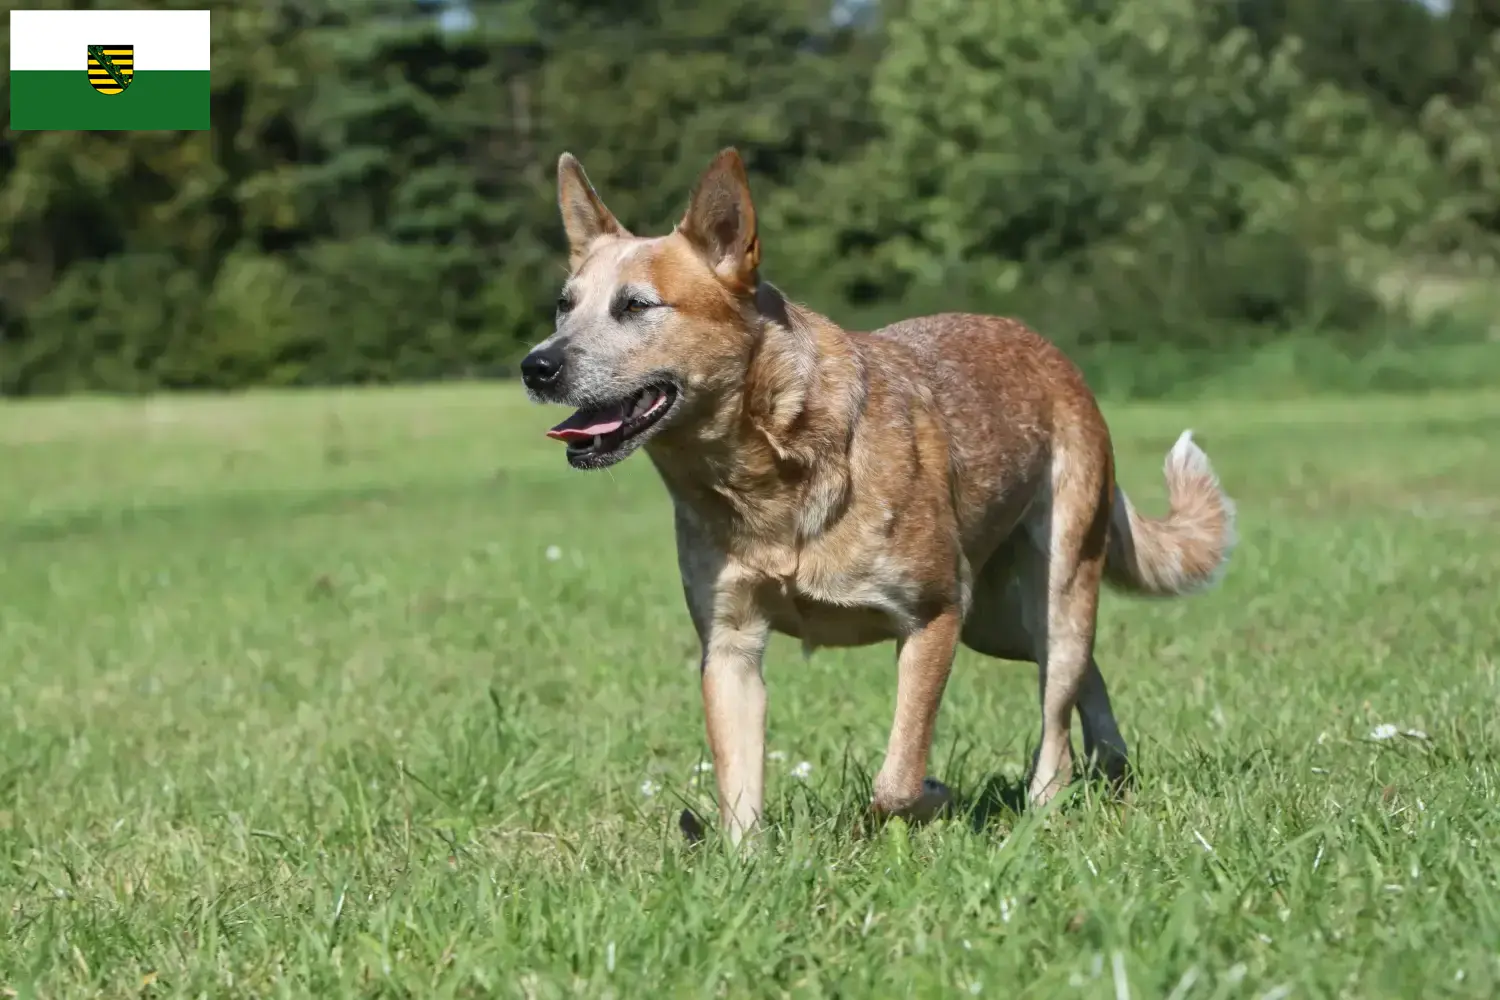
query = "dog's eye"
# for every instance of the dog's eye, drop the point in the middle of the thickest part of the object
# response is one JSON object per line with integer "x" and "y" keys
{"x": 564, "y": 302}
{"x": 637, "y": 306}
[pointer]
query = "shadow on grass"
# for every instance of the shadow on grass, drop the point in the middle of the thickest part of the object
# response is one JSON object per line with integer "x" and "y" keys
{"x": 999, "y": 800}
{"x": 997, "y": 805}
{"x": 996, "y": 802}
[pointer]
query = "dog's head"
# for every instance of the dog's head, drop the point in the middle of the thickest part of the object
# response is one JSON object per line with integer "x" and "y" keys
{"x": 649, "y": 331}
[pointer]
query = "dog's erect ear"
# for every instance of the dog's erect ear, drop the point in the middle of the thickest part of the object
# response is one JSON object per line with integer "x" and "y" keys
{"x": 720, "y": 221}
{"x": 584, "y": 216}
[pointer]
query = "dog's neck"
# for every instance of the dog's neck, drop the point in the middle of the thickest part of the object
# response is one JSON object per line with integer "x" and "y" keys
{"x": 801, "y": 366}
{"x": 773, "y": 454}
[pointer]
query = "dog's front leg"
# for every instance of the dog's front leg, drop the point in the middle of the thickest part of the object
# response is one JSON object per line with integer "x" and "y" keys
{"x": 734, "y": 708}
{"x": 924, "y": 659}
{"x": 732, "y": 630}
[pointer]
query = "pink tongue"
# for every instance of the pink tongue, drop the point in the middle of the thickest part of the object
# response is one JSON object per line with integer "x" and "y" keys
{"x": 588, "y": 423}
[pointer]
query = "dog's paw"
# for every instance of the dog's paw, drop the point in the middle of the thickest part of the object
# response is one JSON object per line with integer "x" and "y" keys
{"x": 691, "y": 827}
{"x": 1108, "y": 765}
{"x": 933, "y": 801}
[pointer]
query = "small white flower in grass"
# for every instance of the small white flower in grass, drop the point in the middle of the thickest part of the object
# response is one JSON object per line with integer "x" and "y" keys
{"x": 704, "y": 766}
{"x": 1122, "y": 984}
{"x": 1007, "y": 904}
{"x": 976, "y": 988}
{"x": 553, "y": 553}
{"x": 1184, "y": 984}
{"x": 802, "y": 771}
{"x": 649, "y": 788}
{"x": 1386, "y": 731}
{"x": 776, "y": 755}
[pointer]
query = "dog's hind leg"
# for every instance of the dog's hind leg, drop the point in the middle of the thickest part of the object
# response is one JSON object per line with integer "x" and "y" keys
{"x": 1103, "y": 746}
{"x": 1074, "y": 526}
{"x": 1010, "y": 621}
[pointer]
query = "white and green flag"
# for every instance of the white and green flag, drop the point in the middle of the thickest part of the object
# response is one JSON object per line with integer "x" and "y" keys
{"x": 130, "y": 70}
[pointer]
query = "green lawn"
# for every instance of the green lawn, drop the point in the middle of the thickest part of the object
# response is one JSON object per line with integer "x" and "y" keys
{"x": 368, "y": 694}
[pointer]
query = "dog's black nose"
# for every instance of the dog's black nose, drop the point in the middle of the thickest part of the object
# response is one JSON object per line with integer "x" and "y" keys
{"x": 541, "y": 368}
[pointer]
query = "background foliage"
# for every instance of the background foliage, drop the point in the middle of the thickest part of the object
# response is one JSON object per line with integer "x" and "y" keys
{"x": 1168, "y": 180}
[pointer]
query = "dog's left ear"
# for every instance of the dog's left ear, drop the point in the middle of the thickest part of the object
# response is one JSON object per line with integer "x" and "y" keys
{"x": 720, "y": 221}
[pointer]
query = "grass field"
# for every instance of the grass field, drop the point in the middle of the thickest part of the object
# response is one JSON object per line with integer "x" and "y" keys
{"x": 368, "y": 694}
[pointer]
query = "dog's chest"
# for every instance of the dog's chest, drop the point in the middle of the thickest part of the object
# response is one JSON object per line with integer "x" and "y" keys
{"x": 846, "y": 606}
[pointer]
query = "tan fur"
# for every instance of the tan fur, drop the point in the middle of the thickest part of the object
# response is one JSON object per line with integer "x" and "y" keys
{"x": 1186, "y": 550}
{"x": 947, "y": 478}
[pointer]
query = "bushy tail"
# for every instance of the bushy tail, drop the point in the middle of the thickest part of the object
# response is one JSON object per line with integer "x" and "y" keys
{"x": 1187, "y": 550}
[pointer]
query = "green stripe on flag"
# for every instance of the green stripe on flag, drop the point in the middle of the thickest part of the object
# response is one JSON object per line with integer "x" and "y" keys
{"x": 61, "y": 100}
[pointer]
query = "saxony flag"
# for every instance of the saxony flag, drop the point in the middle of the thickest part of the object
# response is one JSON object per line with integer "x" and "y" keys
{"x": 108, "y": 69}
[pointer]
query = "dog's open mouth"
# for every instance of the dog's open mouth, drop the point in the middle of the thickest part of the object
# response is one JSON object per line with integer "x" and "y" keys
{"x": 596, "y": 432}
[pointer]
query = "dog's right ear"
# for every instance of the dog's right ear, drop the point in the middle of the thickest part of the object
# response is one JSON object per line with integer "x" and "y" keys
{"x": 585, "y": 219}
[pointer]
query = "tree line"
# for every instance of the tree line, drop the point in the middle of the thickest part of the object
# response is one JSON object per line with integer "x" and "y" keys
{"x": 375, "y": 201}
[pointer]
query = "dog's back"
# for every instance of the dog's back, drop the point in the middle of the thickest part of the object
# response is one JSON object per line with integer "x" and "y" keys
{"x": 1018, "y": 413}
{"x": 1009, "y": 402}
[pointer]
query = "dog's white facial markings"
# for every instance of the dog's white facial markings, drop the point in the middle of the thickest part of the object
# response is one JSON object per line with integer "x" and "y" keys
{"x": 600, "y": 334}
{"x": 594, "y": 285}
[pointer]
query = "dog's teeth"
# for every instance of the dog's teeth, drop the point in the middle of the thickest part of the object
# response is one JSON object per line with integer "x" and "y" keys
{"x": 598, "y": 440}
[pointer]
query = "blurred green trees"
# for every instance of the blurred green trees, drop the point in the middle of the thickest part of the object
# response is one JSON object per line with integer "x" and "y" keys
{"x": 375, "y": 201}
